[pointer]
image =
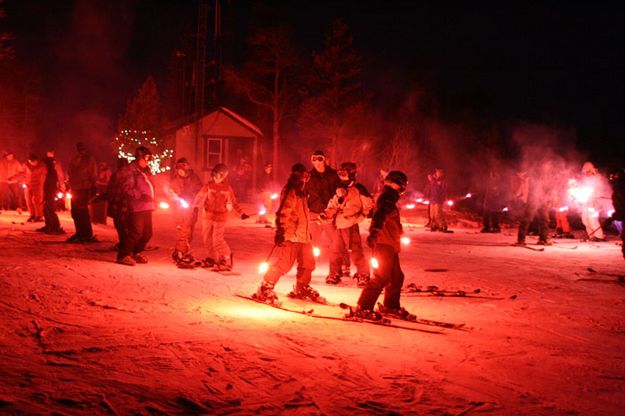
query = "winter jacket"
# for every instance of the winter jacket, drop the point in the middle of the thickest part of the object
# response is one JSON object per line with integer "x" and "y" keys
{"x": 321, "y": 188}
{"x": 82, "y": 172}
{"x": 35, "y": 175}
{"x": 53, "y": 182}
{"x": 138, "y": 189}
{"x": 14, "y": 170}
{"x": 117, "y": 201}
{"x": 386, "y": 225}
{"x": 185, "y": 187}
{"x": 293, "y": 215}
{"x": 438, "y": 191}
{"x": 349, "y": 206}
{"x": 216, "y": 200}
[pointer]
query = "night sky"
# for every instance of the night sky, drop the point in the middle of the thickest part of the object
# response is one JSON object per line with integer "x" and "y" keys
{"x": 558, "y": 63}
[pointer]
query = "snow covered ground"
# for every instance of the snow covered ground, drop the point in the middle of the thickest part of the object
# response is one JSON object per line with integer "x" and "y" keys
{"x": 81, "y": 334}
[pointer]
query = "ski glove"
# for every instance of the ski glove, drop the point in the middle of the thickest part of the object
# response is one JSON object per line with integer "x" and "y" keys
{"x": 279, "y": 237}
{"x": 244, "y": 216}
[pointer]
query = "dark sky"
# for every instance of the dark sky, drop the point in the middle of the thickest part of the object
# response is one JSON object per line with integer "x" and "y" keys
{"x": 554, "y": 62}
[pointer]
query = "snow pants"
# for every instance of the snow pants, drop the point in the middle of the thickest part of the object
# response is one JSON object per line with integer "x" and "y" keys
{"x": 289, "y": 252}
{"x": 542, "y": 216}
{"x": 139, "y": 233}
{"x": 562, "y": 221}
{"x": 213, "y": 236}
{"x": 349, "y": 241}
{"x": 185, "y": 224}
{"x": 49, "y": 212}
{"x": 316, "y": 232}
{"x": 438, "y": 222}
{"x": 121, "y": 226}
{"x": 590, "y": 219}
{"x": 80, "y": 213}
{"x": 388, "y": 277}
{"x": 34, "y": 200}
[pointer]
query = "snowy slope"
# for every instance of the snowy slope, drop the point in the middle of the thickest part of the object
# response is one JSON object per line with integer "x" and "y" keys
{"x": 81, "y": 334}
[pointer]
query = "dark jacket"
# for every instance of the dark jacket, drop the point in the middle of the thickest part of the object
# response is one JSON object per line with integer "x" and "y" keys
{"x": 293, "y": 214}
{"x": 117, "y": 201}
{"x": 321, "y": 188}
{"x": 386, "y": 224}
{"x": 185, "y": 187}
{"x": 82, "y": 172}
{"x": 138, "y": 189}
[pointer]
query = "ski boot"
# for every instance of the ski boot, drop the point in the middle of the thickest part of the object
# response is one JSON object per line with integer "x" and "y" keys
{"x": 223, "y": 265}
{"x": 345, "y": 272}
{"x": 519, "y": 243}
{"x": 266, "y": 294}
{"x": 361, "y": 279}
{"x": 366, "y": 314}
{"x": 139, "y": 258}
{"x": 208, "y": 262}
{"x": 306, "y": 292}
{"x": 399, "y": 313}
{"x": 333, "y": 278}
{"x": 544, "y": 242}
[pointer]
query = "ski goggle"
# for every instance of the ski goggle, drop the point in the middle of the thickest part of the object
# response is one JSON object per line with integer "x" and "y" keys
{"x": 318, "y": 158}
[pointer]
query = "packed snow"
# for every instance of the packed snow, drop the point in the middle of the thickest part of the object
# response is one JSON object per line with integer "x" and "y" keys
{"x": 81, "y": 334}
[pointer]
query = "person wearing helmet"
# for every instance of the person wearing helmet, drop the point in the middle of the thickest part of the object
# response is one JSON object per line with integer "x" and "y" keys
{"x": 293, "y": 241}
{"x": 215, "y": 200}
{"x": 351, "y": 204}
{"x": 139, "y": 192}
{"x": 183, "y": 188}
{"x": 384, "y": 240}
{"x": 83, "y": 174}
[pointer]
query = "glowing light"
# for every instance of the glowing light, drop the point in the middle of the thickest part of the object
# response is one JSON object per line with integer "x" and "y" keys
{"x": 262, "y": 211}
{"x": 183, "y": 203}
{"x": 264, "y": 266}
{"x": 68, "y": 196}
{"x": 419, "y": 200}
{"x": 426, "y": 202}
{"x": 163, "y": 205}
{"x": 450, "y": 203}
{"x": 316, "y": 251}
{"x": 610, "y": 213}
{"x": 595, "y": 214}
{"x": 374, "y": 263}
{"x": 581, "y": 194}
{"x": 469, "y": 195}
{"x": 131, "y": 139}
{"x": 24, "y": 186}
{"x": 505, "y": 209}
{"x": 591, "y": 210}
{"x": 274, "y": 196}
{"x": 563, "y": 209}
{"x": 410, "y": 206}
{"x": 59, "y": 195}
{"x": 405, "y": 241}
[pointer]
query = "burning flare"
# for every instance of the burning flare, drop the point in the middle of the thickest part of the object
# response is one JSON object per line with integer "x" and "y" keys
{"x": 163, "y": 205}
{"x": 405, "y": 241}
{"x": 316, "y": 251}
{"x": 262, "y": 269}
{"x": 374, "y": 263}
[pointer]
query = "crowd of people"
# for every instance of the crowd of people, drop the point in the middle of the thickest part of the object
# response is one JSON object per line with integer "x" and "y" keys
{"x": 318, "y": 208}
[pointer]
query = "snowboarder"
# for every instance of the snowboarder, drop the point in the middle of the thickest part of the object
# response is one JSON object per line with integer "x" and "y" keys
{"x": 215, "y": 200}
{"x": 183, "y": 188}
{"x": 139, "y": 191}
{"x": 351, "y": 204}
{"x": 320, "y": 188}
{"x": 384, "y": 240}
{"x": 293, "y": 240}
{"x": 83, "y": 173}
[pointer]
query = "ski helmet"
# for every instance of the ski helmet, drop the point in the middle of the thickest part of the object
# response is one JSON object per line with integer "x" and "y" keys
{"x": 220, "y": 171}
{"x": 349, "y": 169}
{"x": 398, "y": 178}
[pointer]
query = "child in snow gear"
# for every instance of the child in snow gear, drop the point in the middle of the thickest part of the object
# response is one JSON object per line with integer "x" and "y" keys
{"x": 183, "y": 188}
{"x": 139, "y": 192}
{"x": 384, "y": 240}
{"x": 293, "y": 241}
{"x": 215, "y": 200}
{"x": 351, "y": 204}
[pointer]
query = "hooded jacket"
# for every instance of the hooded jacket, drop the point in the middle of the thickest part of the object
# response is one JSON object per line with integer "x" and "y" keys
{"x": 386, "y": 224}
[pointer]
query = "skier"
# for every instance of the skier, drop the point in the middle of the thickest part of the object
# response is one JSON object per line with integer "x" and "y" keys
{"x": 320, "y": 188}
{"x": 351, "y": 204}
{"x": 293, "y": 240}
{"x": 216, "y": 199}
{"x": 384, "y": 240}
{"x": 539, "y": 199}
{"x": 83, "y": 174}
{"x": 52, "y": 185}
{"x": 117, "y": 202}
{"x": 438, "y": 194}
{"x": 33, "y": 191}
{"x": 183, "y": 188}
{"x": 139, "y": 192}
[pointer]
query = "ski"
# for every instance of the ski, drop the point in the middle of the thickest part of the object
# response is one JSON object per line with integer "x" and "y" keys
{"x": 413, "y": 290}
{"x": 310, "y": 312}
{"x": 619, "y": 276}
{"x": 415, "y": 320}
{"x": 528, "y": 247}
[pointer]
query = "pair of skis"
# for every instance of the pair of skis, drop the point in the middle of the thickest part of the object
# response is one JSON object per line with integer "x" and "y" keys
{"x": 349, "y": 317}
{"x": 413, "y": 290}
